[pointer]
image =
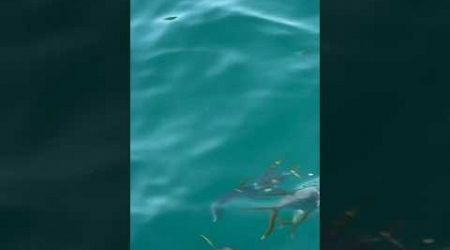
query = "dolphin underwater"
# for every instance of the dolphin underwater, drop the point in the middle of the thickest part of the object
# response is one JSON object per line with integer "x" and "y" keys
{"x": 304, "y": 201}
{"x": 265, "y": 186}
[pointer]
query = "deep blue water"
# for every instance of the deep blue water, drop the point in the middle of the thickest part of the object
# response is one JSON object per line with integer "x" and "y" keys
{"x": 220, "y": 90}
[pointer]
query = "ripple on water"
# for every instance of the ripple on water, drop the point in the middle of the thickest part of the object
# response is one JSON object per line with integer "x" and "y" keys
{"x": 203, "y": 83}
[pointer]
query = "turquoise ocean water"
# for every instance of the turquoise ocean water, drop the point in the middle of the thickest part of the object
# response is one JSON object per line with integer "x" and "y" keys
{"x": 220, "y": 90}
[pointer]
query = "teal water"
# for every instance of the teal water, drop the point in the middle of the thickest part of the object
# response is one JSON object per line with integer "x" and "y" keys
{"x": 220, "y": 90}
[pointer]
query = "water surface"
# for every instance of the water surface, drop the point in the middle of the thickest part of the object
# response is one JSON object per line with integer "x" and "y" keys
{"x": 220, "y": 89}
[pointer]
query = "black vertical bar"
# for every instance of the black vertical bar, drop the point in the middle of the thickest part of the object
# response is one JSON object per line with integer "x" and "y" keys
{"x": 385, "y": 121}
{"x": 64, "y": 135}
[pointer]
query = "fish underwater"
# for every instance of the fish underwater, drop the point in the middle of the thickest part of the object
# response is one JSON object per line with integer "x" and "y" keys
{"x": 265, "y": 186}
{"x": 303, "y": 202}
